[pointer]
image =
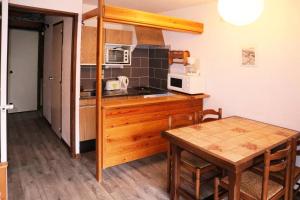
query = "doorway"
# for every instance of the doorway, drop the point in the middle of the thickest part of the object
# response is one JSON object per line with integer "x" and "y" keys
{"x": 42, "y": 68}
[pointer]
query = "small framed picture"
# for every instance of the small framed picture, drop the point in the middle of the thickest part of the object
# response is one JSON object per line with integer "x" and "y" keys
{"x": 249, "y": 57}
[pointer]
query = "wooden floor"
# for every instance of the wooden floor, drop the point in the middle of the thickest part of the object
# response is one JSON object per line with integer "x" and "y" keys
{"x": 40, "y": 167}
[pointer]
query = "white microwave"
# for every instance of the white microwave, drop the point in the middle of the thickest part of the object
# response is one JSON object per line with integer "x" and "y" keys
{"x": 189, "y": 84}
{"x": 117, "y": 54}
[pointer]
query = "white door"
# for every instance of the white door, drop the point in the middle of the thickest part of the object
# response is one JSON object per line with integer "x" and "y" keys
{"x": 23, "y": 70}
{"x": 56, "y": 102}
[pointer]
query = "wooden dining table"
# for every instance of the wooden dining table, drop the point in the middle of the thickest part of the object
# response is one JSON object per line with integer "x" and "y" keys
{"x": 231, "y": 143}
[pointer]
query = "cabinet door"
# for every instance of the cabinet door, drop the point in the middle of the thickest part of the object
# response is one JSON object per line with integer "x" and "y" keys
{"x": 87, "y": 123}
{"x": 180, "y": 120}
{"x": 118, "y": 36}
{"x": 88, "y": 45}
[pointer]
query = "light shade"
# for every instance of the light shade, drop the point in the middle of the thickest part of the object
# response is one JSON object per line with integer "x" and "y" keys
{"x": 240, "y": 12}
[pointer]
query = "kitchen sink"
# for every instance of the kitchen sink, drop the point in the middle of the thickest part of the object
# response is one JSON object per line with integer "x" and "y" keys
{"x": 159, "y": 95}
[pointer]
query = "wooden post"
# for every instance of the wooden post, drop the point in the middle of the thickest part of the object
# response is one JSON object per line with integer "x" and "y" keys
{"x": 100, "y": 49}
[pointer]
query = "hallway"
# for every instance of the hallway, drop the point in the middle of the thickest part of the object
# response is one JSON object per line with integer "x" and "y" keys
{"x": 40, "y": 167}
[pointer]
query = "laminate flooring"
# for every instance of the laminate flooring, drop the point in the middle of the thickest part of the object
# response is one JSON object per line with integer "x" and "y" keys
{"x": 40, "y": 168}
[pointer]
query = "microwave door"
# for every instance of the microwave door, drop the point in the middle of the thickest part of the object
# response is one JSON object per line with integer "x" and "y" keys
{"x": 176, "y": 82}
{"x": 115, "y": 56}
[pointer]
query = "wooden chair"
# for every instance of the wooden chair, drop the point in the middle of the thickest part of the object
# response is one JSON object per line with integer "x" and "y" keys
{"x": 257, "y": 186}
{"x": 203, "y": 115}
{"x": 295, "y": 174}
{"x": 192, "y": 163}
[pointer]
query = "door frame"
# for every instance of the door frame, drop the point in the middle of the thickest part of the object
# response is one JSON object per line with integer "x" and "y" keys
{"x": 74, "y": 55}
{"x": 3, "y": 98}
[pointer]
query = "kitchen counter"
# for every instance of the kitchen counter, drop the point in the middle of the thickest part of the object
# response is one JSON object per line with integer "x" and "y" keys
{"x": 128, "y": 101}
{"x": 109, "y": 103}
{"x": 131, "y": 125}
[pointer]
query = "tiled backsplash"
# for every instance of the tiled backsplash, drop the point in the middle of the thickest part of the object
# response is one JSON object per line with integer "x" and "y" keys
{"x": 138, "y": 72}
{"x": 88, "y": 77}
{"x": 158, "y": 68}
{"x": 149, "y": 67}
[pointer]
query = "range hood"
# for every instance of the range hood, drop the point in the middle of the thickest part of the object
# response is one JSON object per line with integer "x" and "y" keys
{"x": 147, "y": 37}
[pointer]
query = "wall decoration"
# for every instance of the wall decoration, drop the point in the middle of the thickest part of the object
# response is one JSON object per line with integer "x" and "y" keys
{"x": 248, "y": 57}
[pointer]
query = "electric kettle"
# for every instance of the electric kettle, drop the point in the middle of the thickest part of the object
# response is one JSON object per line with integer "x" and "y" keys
{"x": 124, "y": 82}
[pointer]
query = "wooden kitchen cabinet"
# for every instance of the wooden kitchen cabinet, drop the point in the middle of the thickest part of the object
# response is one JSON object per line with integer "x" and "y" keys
{"x": 87, "y": 122}
{"x": 89, "y": 42}
{"x": 88, "y": 45}
{"x": 118, "y": 36}
{"x": 3, "y": 180}
{"x": 184, "y": 119}
{"x": 134, "y": 132}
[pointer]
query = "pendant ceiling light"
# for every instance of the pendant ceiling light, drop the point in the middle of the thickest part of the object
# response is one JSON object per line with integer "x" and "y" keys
{"x": 240, "y": 12}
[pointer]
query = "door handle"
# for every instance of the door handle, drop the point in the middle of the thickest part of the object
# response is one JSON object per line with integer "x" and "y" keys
{"x": 11, "y": 71}
{"x": 51, "y": 78}
{"x": 9, "y": 106}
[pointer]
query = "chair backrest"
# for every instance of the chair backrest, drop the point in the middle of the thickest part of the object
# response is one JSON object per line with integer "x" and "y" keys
{"x": 278, "y": 161}
{"x": 203, "y": 115}
{"x": 297, "y": 145}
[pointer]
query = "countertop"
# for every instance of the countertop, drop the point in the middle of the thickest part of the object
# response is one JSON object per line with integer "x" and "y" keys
{"x": 128, "y": 101}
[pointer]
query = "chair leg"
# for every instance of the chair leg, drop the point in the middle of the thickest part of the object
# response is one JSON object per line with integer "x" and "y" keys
{"x": 169, "y": 169}
{"x": 296, "y": 191}
{"x": 197, "y": 184}
{"x": 216, "y": 188}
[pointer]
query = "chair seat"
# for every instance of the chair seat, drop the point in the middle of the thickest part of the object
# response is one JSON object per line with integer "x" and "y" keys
{"x": 193, "y": 160}
{"x": 251, "y": 184}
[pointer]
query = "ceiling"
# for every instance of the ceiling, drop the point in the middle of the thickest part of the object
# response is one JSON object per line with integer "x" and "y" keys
{"x": 150, "y": 5}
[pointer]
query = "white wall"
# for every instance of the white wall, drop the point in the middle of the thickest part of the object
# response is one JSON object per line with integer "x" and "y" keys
{"x": 66, "y": 72}
{"x": 269, "y": 92}
{"x": 73, "y": 6}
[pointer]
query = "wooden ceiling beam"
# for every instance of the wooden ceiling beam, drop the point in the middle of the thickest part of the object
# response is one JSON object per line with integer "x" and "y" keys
{"x": 141, "y": 18}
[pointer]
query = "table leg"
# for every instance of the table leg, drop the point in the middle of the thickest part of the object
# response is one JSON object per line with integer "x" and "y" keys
{"x": 234, "y": 185}
{"x": 176, "y": 153}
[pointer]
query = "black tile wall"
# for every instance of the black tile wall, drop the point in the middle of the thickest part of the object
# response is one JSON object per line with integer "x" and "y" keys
{"x": 158, "y": 68}
{"x": 88, "y": 77}
{"x": 149, "y": 67}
